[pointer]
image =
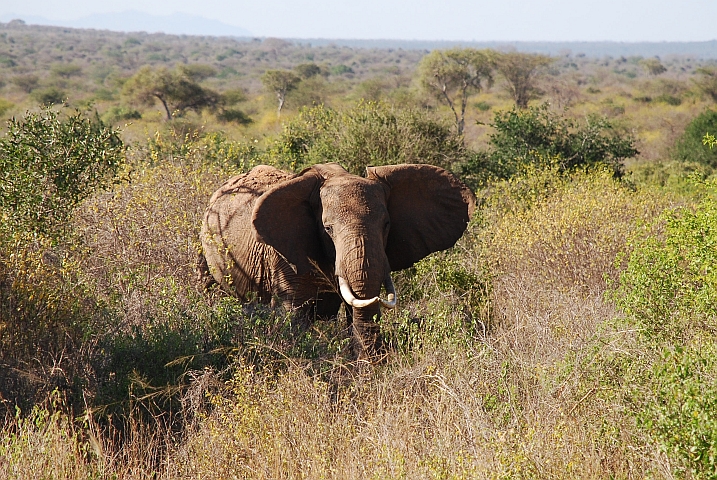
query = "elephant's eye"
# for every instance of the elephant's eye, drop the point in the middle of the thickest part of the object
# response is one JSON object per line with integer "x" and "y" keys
{"x": 329, "y": 229}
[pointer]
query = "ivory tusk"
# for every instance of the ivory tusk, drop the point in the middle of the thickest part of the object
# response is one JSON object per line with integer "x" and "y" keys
{"x": 390, "y": 301}
{"x": 349, "y": 297}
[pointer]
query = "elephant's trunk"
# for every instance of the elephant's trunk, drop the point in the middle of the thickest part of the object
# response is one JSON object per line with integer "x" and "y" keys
{"x": 349, "y": 297}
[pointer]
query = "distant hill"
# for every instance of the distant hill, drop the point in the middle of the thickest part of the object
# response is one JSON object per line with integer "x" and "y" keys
{"x": 184, "y": 24}
{"x": 133, "y": 21}
{"x": 703, "y": 50}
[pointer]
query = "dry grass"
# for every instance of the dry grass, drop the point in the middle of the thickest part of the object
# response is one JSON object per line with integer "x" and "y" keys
{"x": 526, "y": 398}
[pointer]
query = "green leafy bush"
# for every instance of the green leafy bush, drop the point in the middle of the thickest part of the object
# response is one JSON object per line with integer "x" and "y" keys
{"x": 118, "y": 113}
{"x": 669, "y": 287}
{"x": 49, "y": 96}
{"x": 233, "y": 115}
{"x": 683, "y": 414}
{"x": 669, "y": 99}
{"x": 369, "y": 133}
{"x": 689, "y": 147}
{"x": 669, "y": 291}
{"x": 530, "y": 136}
{"x": 49, "y": 163}
{"x": 182, "y": 143}
{"x": 448, "y": 301}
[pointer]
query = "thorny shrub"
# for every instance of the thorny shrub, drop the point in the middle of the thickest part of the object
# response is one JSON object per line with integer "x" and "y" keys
{"x": 564, "y": 230}
{"x": 50, "y": 162}
{"x": 668, "y": 292}
{"x": 370, "y": 133}
{"x": 529, "y": 137}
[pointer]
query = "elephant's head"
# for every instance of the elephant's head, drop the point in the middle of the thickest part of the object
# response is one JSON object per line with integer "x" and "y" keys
{"x": 364, "y": 227}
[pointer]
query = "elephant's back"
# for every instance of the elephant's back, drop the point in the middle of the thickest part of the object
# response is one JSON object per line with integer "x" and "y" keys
{"x": 247, "y": 187}
{"x": 234, "y": 200}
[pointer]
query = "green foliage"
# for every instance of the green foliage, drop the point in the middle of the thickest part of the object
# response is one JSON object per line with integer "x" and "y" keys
{"x": 669, "y": 99}
{"x": 120, "y": 113}
{"x": 197, "y": 71}
{"x": 669, "y": 287}
{"x": 483, "y": 106}
{"x": 341, "y": 69}
{"x": 653, "y": 66}
{"x": 66, "y": 70}
{"x": 307, "y": 70}
{"x": 27, "y": 82}
{"x": 454, "y": 300}
{"x": 689, "y": 147}
{"x": 49, "y": 96}
{"x": 178, "y": 91}
{"x": 191, "y": 147}
{"x": 669, "y": 291}
{"x": 233, "y": 115}
{"x": 49, "y": 163}
{"x": 683, "y": 413}
{"x": 536, "y": 136}
{"x": 234, "y": 96}
{"x": 707, "y": 81}
{"x": 367, "y": 134}
{"x": 280, "y": 82}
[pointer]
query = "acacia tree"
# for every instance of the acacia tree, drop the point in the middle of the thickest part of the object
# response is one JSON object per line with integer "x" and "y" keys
{"x": 452, "y": 75}
{"x": 177, "y": 91}
{"x": 280, "y": 82}
{"x": 519, "y": 70}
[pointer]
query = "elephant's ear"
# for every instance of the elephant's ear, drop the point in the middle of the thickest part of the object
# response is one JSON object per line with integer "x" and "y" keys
{"x": 284, "y": 218}
{"x": 429, "y": 208}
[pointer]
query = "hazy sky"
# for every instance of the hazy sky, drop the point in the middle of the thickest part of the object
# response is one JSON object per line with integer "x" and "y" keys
{"x": 502, "y": 20}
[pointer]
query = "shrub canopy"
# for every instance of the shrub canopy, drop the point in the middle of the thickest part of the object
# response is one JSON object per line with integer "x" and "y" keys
{"x": 690, "y": 148}
{"x": 49, "y": 163}
{"x": 370, "y": 133}
{"x": 534, "y": 136}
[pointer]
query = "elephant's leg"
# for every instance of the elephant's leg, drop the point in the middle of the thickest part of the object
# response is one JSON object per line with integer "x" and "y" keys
{"x": 367, "y": 340}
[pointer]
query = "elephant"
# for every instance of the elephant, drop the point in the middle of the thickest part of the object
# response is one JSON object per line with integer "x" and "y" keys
{"x": 324, "y": 237}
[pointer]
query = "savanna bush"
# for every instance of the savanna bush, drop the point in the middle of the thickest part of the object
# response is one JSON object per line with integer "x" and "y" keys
{"x": 689, "y": 146}
{"x": 446, "y": 301}
{"x": 668, "y": 291}
{"x": 529, "y": 137}
{"x": 49, "y": 163}
{"x": 369, "y": 133}
{"x": 564, "y": 230}
{"x": 670, "y": 284}
{"x": 139, "y": 258}
{"x": 183, "y": 142}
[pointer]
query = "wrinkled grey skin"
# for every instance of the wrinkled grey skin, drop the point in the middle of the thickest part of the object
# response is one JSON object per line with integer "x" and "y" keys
{"x": 286, "y": 238}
